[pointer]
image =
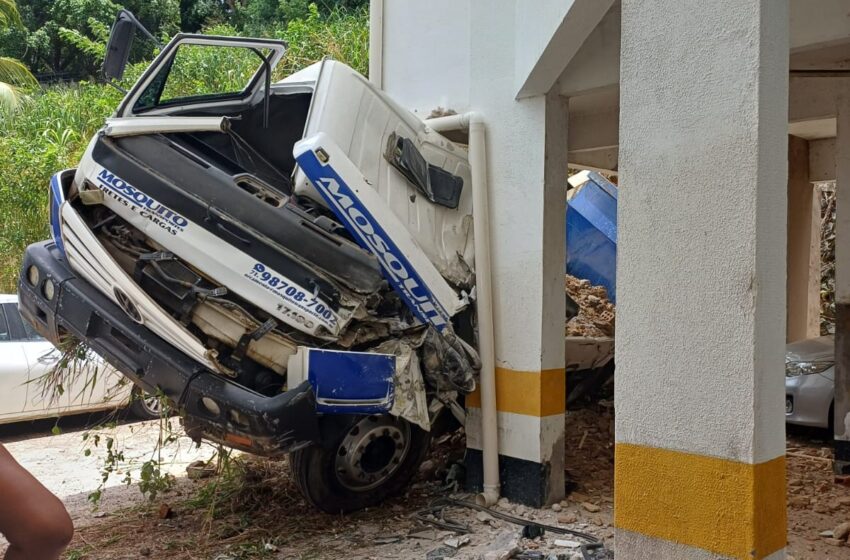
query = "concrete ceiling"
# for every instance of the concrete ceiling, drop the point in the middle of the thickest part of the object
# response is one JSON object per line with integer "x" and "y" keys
{"x": 600, "y": 100}
{"x": 820, "y": 40}
{"x": 835, "y": 56}
{"x": 814, "y": 130}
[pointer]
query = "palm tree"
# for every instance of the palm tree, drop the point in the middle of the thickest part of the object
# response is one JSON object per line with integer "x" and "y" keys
{"x": 12, "y": 72}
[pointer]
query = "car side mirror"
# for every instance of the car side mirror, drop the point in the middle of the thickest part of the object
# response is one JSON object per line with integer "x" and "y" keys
{"x": 118, "y": 46}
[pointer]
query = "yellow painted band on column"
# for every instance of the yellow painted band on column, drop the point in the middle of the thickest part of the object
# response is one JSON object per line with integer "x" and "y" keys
{"x": 731, "y": 508}
{"x": 533, "y": 393}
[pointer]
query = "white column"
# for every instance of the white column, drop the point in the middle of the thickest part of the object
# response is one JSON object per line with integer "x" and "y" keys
{"x": 700, "y": 438}
{"x": 842, "y": 286}
{"x": 527, "y": 160}
{"x": 803, "y": 246}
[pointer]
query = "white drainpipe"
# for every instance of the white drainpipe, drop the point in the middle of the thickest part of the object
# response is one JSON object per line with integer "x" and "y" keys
{"x": 484, "y": 294}
{"x": 376, "y": 43}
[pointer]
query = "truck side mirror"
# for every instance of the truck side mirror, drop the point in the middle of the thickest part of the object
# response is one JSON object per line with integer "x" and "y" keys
{"x": 119, "y": 44}
{"x": 118, "y": 47}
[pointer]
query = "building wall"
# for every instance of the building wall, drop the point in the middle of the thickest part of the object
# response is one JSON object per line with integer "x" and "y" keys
{"x": 470, "y": 56}
{"x": 426, "y": 54}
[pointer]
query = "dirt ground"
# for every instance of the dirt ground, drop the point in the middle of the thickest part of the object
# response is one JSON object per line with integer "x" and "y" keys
{"x": 62, "y": 465}
{"x": 816, "y": 504}
{"x": 254, "y": 510}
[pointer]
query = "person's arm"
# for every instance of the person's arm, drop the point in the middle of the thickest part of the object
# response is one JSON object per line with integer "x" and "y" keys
{"x": 32, "y": 519}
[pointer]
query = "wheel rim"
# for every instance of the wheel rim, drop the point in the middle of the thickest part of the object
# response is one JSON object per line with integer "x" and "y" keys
{"x": 371, "y": 452}
{"x": 151, "y": 404}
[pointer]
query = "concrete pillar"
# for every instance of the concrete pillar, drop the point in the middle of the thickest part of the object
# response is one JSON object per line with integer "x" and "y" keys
{"x": 474, "y": 56}
{"x": 527, "y": 170}
{"x": 700, "y": 430}
{"x": 842, "y": 287}
{"x": 528, "y": 275}
{"x": 803, "y": 292}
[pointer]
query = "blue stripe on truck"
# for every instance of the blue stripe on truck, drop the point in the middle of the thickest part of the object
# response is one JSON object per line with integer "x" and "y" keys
{"x": 371, "y": 236}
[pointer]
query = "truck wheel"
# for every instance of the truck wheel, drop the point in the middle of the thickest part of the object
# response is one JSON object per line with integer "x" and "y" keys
{"x": 374, "y": 458}
{"x": 145, "y": 406}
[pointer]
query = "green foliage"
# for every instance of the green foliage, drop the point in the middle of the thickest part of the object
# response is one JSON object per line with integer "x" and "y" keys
{"x": 47, "y": 134}
{"x": 78, "y": 553}
{"x": 152, "y": 480}
{"x": 341, "y": 34}
{"x": 52, "y": 36}
{"x": 94, "y": 47}
{"x": 203, "y": 70}
{"x": 195, "y": 14}
{"x": 9, "y": 15}
{"x": 13, "y": 74}
{"x": 56, "y": 34}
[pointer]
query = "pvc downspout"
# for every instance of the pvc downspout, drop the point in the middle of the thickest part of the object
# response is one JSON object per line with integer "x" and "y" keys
{"x": 484, "y": 295}
{"x": 376, "y": 43}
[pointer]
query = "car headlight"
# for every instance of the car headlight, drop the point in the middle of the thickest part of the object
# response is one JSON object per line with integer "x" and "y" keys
{"x": 793, "y": 369}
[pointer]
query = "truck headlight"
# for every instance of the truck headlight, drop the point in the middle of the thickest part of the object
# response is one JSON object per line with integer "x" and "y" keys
{"x": 49, "y": 289}
{"x": 33, "y": 275}
{"x": 210, "y": 406}
{"x": 793, "y": 369}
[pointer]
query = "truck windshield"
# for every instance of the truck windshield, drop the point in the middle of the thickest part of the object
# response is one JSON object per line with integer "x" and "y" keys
{"x": 198, "y": 73}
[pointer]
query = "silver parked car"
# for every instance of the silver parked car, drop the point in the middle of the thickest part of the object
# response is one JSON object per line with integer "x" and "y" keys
{"x": 810, "y": 382}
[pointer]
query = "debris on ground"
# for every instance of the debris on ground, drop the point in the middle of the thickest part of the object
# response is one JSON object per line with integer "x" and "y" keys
{"x": 842, "y": 531}
{"x": 589, "y": 457}
{"x": 165, "y": 511}
{"x": 596, "y": 313}
{"x": 197, "y": 470}
{"x": 441, "y": 112}
{"x": 252, "y": 509}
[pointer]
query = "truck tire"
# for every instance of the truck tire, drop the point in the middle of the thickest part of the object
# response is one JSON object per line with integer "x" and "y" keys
{"x": 145, "y": 406}
{"x": 371, "y": 459}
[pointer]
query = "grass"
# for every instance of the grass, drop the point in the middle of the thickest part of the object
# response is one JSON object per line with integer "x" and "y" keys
{"x": 52, "y": 128}
{"x": 47, "y": 134}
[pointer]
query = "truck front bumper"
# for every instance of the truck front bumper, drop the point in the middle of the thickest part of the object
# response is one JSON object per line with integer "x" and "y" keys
{"x": 213, "y": 407}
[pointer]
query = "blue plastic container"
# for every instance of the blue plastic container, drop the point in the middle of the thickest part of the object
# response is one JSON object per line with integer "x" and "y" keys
{"x": 592, "y": 233}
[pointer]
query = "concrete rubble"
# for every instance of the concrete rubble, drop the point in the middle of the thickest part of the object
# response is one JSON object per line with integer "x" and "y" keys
{"x": 595, "y": 312}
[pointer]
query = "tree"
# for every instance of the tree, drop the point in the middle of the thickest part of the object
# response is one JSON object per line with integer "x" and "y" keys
{"x": 12, "y": 72}
{"x": 53, "y": 31}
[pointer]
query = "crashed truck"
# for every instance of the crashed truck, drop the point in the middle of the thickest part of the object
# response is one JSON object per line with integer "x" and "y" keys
{"x": 291, "y": 264}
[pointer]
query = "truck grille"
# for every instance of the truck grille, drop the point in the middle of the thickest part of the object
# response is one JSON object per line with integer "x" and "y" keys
{"x": 89, "y": 259}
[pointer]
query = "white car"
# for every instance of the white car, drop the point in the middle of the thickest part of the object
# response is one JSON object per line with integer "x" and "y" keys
{"x": 25, "y": 357}
{"x": 810, "y": 382}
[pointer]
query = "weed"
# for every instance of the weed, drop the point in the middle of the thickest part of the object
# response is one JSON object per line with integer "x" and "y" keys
{"x": 78, "y": 553}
